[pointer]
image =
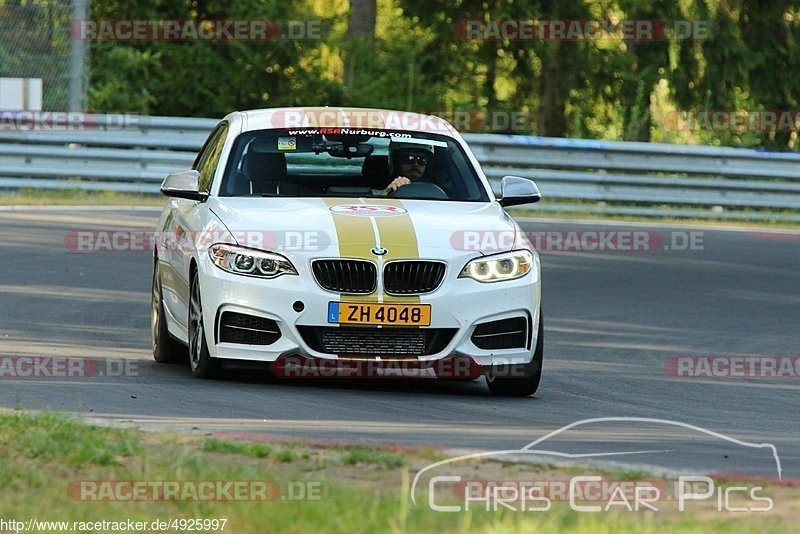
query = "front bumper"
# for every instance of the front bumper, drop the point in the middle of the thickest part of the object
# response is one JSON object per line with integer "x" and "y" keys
{"x": 459, "y": 303}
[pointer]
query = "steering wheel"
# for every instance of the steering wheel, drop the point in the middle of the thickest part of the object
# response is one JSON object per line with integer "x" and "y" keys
{"x": 420, "y": 190}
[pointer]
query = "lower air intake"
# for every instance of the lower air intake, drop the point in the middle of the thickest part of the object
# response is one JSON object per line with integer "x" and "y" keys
{"x": 358, "y": 341}
{"x": 503, "y": 334}
{"x": 247, "y": 329}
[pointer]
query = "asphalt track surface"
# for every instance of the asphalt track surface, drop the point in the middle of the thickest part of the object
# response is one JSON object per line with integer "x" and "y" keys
{"x": 612, "y": 321}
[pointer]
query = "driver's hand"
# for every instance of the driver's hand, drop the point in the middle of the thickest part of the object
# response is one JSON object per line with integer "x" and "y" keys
{"x": 398, "y": 182}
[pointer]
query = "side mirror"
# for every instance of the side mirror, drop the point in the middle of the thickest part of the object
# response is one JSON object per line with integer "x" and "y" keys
{"x": 516, "y": 191}
{"x": 183, "y": 184}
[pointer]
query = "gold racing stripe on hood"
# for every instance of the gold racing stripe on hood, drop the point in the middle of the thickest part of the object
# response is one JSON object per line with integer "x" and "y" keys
{"x": 399, "y": 237}
{"x": 356, "y": 237}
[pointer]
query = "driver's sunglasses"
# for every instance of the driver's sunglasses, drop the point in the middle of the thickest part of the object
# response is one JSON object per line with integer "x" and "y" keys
{"x": 411, "y": 158}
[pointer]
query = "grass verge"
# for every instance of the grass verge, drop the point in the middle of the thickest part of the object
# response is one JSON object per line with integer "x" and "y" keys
{"x": 355, "y": 489}
{"x": 69, "y": 197}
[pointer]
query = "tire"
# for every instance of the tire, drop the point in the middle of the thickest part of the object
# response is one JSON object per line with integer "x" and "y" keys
{"x": 527, "y": 384}
{"x": 166, "y": 349}
{"x": 200, "y": 361}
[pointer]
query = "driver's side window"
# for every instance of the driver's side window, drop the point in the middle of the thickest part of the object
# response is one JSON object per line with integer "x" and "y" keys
{"x": 208, "y": 159}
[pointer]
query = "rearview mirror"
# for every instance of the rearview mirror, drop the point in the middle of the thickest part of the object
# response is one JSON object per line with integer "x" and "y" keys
{"x": 517, "y": 191}
{"x": 360, "y": 150}
{"x": 183, "y": 184}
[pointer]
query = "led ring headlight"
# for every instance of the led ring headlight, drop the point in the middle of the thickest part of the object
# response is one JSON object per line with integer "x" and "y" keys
{"x": 250, "y": 262}
{"x": 507, "y": 266}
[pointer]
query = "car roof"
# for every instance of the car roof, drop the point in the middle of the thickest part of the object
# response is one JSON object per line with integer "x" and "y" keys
{"x": 344, "y": 117}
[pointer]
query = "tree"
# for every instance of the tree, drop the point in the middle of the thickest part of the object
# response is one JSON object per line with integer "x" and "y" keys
{"x": 649, "y": 63}
{"x": 750, "y": 64}
{"x": 206, "y": 78}
{"x": 361, "y": 22}
{"x": 414, "y": 56}
{"x": 360, "y": 35}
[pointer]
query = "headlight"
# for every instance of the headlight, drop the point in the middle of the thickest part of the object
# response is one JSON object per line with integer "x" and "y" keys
{"x": 250, "y": 262}
{"x": 507, "y": 266}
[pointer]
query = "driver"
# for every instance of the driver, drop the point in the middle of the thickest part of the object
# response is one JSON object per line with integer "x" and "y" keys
{"x": 409, "y": 163}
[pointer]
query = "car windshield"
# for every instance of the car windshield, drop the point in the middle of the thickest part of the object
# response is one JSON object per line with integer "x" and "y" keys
{"x": 328, "y": 163}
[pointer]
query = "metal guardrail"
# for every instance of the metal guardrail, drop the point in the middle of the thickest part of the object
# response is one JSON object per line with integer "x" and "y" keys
{"x": 639, "y": 179}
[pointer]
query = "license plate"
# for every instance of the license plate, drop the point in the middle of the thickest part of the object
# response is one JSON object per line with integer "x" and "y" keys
{"x": 384, "y": 314}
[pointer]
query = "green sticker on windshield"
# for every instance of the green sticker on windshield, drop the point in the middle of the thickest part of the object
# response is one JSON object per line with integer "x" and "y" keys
{"x": 287, "y": 143}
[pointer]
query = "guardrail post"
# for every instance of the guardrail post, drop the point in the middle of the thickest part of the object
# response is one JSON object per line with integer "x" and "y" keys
{"x": 78, "y": 49}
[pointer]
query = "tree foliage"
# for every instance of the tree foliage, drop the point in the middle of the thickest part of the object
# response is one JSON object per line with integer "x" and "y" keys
{"x": 412, "y": 57}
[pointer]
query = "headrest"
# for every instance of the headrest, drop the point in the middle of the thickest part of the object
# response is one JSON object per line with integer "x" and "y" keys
{"x": 375, "y": 167}
{"x": 263, "y": 166}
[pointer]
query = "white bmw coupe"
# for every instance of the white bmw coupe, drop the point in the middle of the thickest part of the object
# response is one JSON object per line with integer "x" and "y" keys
{"x": 342, "y": 237}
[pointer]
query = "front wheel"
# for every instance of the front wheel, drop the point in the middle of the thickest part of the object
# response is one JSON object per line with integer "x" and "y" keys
{"x": 200, "y": 361}
{"x": 528, "y": 383}
{"x": 165, "y": 348}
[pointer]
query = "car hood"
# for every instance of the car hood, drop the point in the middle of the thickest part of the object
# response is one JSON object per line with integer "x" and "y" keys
{"x": 349, "y": 227}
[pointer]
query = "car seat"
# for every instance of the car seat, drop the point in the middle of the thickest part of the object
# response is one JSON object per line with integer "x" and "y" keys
{"x": 375, "y": 171}
{"x": 262, "y": 172}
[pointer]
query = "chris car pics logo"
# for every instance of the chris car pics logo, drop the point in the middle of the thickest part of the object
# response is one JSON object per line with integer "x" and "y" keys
{"x": 459, "y": 484}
